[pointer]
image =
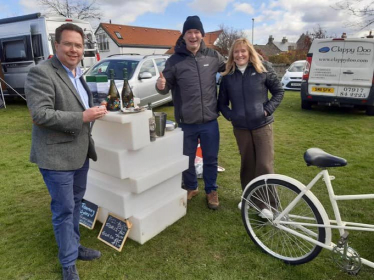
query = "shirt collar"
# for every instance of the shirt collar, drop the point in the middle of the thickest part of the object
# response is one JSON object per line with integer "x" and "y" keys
{"x": 78, "y": 70}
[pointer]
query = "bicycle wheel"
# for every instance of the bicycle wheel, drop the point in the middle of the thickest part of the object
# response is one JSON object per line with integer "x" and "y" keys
{"x": 276, "y": 195}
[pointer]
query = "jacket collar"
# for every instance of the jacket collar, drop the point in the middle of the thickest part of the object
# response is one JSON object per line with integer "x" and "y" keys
{"x": 61, "y": 72}
{"x": 249, "y": 65}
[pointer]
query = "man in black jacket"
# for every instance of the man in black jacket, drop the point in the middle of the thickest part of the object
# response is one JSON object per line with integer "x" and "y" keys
{"x": 190, "y": 74}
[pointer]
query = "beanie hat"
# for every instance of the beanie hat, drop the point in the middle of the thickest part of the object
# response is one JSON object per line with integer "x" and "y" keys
{"x": 193, "y": 22}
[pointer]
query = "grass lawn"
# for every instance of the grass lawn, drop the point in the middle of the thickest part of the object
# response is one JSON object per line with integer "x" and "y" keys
{"x": 204, "y": 244}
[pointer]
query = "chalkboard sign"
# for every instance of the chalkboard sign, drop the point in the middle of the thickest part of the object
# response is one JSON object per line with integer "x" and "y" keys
{"x": 88, "y": 214}
{"x": 114, "y": 231}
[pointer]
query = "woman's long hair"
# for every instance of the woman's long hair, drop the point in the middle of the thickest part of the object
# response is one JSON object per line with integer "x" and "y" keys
{"x": 254, "y": 57}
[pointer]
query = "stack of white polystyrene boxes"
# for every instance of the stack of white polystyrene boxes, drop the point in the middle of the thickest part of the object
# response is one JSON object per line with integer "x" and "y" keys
{"x": 137, "y": 179}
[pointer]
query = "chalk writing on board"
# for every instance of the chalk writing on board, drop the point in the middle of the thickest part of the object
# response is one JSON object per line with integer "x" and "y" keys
{"x": 114, "y": 231}
{"x": 88, "y": 214}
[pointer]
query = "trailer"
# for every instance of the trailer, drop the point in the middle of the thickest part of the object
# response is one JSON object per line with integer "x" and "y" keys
{"x": 27, "y": 40}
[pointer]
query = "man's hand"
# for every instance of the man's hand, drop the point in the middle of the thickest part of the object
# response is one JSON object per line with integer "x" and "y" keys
{"x": 161, "y": 82}
{"x": 94, "y": 113}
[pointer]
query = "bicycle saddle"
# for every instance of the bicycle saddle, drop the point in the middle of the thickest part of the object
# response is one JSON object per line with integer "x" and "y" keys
{"x": 317, "y": 157}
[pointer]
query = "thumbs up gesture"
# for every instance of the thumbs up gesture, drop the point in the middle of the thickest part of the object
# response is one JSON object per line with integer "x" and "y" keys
{"x": 161, "y": 82}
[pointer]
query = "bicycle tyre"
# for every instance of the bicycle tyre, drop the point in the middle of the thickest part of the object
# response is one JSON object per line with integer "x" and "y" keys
{"x": 274, "y": 241}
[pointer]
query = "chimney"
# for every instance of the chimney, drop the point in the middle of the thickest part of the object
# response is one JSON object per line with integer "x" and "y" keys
{"x": 344, "y": 35}
{"x": 370, "y": 36}
{"x": 284, "y": 40}
{"x": 110, "y": 21}
{"x": 271, "y": 39}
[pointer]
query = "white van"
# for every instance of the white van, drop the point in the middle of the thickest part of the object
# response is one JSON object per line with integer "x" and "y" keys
{"x": 28, "y": 40}
{"x": 339, "y": 72}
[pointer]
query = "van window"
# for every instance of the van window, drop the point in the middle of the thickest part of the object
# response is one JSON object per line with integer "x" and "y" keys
{"x": 16, "y": 49}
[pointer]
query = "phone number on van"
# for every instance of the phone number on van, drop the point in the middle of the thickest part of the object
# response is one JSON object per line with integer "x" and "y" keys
{"x": 354, "y": 92}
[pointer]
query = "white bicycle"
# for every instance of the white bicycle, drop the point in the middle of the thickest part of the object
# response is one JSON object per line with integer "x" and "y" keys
{"x": 298, "y": 226}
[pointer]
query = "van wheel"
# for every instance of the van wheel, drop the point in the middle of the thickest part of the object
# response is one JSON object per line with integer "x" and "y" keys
{"x": 305, "y": 105}
{"x": 370, "y": 110}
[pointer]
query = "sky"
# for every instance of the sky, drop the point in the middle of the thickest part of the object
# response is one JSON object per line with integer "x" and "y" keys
{"x": 279, "y": 18}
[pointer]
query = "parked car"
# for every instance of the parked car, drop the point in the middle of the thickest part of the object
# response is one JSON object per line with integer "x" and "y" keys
{"x": 293, "y": 76}
{"x": 339, "y": 72}
{"x": 143, "y": 71}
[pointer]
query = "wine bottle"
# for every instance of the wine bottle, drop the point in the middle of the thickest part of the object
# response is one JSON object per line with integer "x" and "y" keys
{"x": 113, "y": 98}
{"x": 127, "y": 95}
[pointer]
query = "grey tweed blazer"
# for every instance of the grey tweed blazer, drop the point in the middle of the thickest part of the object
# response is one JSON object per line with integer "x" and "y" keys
{"x": 60, "y": 139}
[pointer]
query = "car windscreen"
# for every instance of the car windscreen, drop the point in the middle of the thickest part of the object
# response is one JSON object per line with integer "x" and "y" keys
{"x": 297, "y": 67}
{"x": 104, "y": 67}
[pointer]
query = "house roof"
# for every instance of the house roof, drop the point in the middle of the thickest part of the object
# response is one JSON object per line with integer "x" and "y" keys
{"x": 268, "y": 50}
{"x": 211, "y": 37}
{"x": 135, "y": 36}
{"x": 283, "y": 46}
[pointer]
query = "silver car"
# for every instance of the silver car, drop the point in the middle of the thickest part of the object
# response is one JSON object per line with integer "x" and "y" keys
{"x": 143, "y": 71}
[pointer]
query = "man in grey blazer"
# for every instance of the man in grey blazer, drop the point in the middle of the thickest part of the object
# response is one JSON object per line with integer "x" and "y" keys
{"x": 62, "y": 111}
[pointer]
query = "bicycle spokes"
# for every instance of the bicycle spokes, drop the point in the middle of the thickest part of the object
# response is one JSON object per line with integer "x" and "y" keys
{"x": 270, "y": 234}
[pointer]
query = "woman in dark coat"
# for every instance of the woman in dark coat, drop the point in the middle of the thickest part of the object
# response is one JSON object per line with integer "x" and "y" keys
{"x": 243, "y": 100}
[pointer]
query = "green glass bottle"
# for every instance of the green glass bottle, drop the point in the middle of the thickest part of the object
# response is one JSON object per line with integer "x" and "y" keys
{"x": 113, "y": 98}
{"x": 127, "y": 95}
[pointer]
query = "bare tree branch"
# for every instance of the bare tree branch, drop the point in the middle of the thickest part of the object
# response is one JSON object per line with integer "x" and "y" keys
{"x": 80, "y": 9}
{"x": 358, "y": 8}
{"x": 227, "y": 38}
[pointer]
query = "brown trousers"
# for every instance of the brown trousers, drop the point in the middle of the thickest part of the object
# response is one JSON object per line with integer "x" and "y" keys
{"x": 256, "y": 149}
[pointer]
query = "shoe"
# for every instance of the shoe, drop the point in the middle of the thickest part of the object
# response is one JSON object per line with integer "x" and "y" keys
{"x": 266, "y": 214}
{"x": 212, "y": 199}
{"x": 70, "y": 273}
{"x": 87, "y": 254}
{"x": 191, "y": 193}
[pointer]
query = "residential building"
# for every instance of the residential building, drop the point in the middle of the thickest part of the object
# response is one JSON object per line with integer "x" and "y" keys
{"x": 276, "y": 47}
{"x": 124, "y": 39}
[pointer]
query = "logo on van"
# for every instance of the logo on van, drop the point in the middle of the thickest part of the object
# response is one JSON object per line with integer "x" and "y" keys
{"x": 324, "y": 50}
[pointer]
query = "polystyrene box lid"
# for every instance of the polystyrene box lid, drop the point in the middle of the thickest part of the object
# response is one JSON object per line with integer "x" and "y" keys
{"x": 97, "y": 79}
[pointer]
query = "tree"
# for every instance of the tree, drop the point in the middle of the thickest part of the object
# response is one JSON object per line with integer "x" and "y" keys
{"x": 227, "y": 38}
{"x": 302, "y": 47}
{"x": 318, "y": 33}
{"x": 364, "y": 10}
{"x": 304, "y": 42}
{"x": 80, "y": 9}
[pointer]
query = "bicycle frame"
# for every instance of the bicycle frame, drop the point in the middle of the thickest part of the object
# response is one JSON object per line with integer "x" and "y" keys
{"x": 338, "y": 223}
